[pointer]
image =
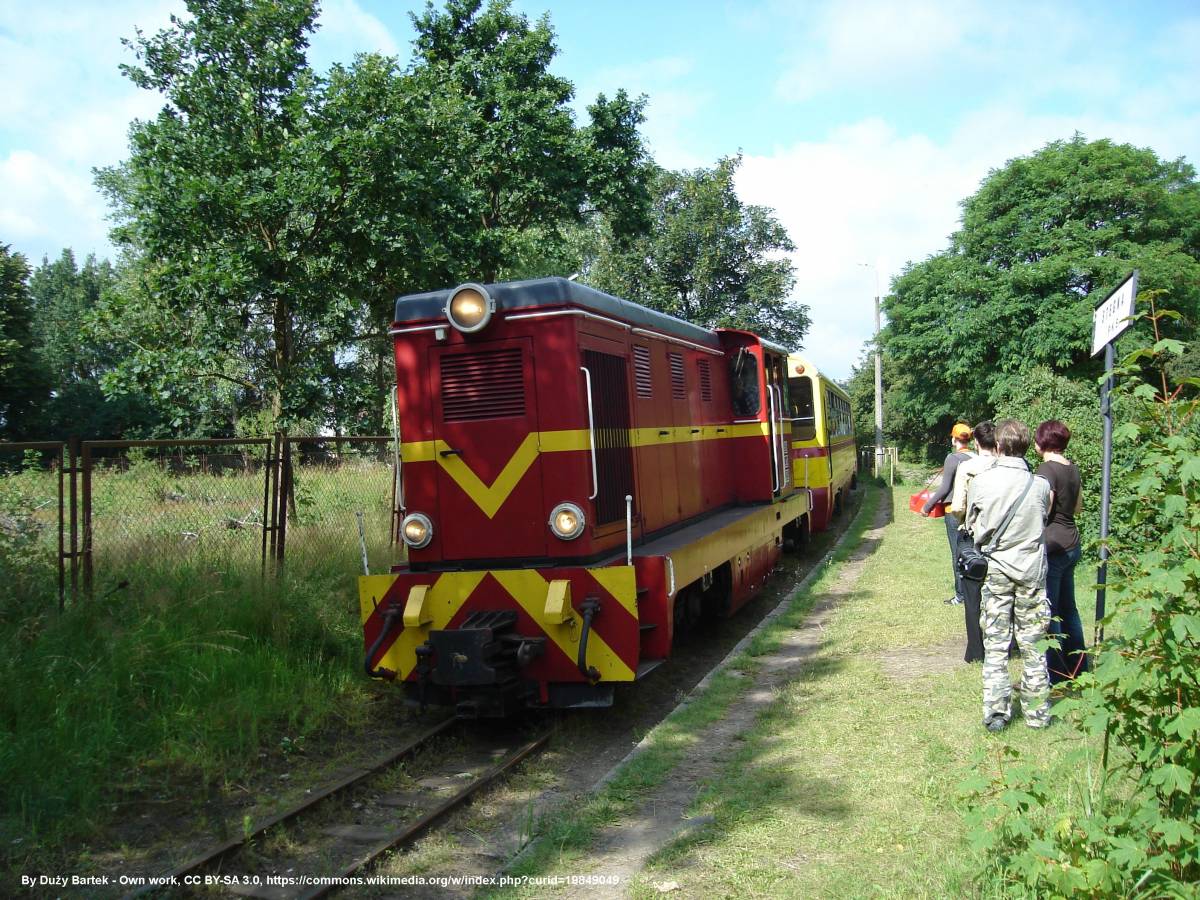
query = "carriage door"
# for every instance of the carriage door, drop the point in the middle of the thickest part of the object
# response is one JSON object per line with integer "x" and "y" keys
{"x": 489, "y": 476}
{"x": 610, "y": 422}
{"x": 777, "y": 413}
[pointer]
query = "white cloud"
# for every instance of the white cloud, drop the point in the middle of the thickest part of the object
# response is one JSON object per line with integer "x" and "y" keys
{"x": 854, "y": 44}
{"x": 39, "y": 196}
{"x": 866, "y": 194}
{"x": 346, "y": 29}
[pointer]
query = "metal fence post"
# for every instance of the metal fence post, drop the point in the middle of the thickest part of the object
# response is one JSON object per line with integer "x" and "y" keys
{"x": 87, "y": 519}
{"x": 73, "y": 454}
{"x": 285, "y": 495}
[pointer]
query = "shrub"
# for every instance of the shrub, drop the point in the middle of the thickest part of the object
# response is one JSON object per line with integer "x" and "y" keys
{"x": 1137, "y": 831}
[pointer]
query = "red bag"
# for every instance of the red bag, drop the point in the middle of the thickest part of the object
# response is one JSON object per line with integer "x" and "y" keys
{"x": 917, "y": 502}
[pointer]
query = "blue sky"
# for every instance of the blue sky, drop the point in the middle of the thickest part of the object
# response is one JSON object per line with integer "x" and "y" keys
{"x": 863, "y": 124}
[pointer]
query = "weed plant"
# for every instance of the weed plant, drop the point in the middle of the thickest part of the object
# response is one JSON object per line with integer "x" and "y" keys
{"x": 180, "y": 678}
{"x": 1135, "y": 830}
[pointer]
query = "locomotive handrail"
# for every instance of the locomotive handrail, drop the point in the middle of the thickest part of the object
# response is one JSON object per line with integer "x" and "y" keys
{"x": 784, "y": 480}
{"x": 671, "y": 572}
{"x": 591, "y": 432}
{"x": 629, "y": 529}
{"x": 774, "y": 439}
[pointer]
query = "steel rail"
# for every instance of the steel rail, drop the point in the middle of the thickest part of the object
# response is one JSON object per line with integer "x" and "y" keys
{"x": 417, "y": 828}
{"x": 311, "y": 800}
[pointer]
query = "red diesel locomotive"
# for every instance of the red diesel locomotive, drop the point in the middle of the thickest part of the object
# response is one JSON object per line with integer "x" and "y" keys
{"x": 581, "y": 477}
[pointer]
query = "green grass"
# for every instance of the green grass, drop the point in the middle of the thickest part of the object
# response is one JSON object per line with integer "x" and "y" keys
{"x": 170, "y": 685}
{"x": 848, "y": 785}
{"x": 563, "y": 840}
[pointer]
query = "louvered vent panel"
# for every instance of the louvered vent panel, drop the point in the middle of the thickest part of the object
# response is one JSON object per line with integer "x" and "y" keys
{"x": 678, "y": 385}
{"x": 641, "y": 371}
{"x": 705, "y": 381}
{"x": 486, "y": 385}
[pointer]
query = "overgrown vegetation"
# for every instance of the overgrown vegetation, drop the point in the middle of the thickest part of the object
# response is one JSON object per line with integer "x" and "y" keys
{"x": 167, "y": 683}
{"x": 1134, "y": 830}
{"x": 186, "y": 665}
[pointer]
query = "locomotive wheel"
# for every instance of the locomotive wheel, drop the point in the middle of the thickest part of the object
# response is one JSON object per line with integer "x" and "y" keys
{"x": 796, "y": 535}
{"x": 689, "y": 607}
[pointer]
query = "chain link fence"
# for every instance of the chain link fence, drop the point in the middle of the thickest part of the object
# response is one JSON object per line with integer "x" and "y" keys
{"x": 89, "y": 518}
{"x": 167, "y": 506}
{"x": 333, "y": 484}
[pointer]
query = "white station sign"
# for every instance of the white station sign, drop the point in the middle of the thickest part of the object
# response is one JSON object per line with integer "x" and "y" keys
{"x": 1112, "y": 316}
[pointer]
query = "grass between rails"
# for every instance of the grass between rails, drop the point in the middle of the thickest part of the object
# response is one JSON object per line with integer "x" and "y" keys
{"x": 175, "y": 681}
{"x": 562, "y": 840}
{"x": 848, "y": 785}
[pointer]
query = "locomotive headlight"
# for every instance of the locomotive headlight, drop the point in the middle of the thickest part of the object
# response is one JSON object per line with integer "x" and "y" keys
{"x": 470, "y": 308}
{"x": 567, "y": 521}
{"x": 416, "y": 530}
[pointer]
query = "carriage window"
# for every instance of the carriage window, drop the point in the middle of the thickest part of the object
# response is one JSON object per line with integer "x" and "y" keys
{"x": 743, "y": 372}
{"x": 804, "y": 422}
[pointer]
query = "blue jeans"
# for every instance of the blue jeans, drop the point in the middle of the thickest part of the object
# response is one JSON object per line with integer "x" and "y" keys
{"x": 952, "y": 535}
{"x": 1068, "y": 660}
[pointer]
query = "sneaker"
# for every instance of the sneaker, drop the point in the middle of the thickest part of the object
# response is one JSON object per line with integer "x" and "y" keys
{"x": 1039, "y": 724}
{"x": 996, "y": 723}
{"x": 953, "y": 601}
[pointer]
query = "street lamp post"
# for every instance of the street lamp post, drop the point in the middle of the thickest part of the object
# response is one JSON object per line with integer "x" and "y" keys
{"x": 878, "y": 380}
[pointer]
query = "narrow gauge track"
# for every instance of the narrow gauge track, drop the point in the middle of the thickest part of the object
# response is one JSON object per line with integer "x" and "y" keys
{"x": 347, "y": 849}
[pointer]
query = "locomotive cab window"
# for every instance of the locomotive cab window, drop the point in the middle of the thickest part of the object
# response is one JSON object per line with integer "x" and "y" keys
{"x": 804, "y": 420}
{"x": 743, "y": 376}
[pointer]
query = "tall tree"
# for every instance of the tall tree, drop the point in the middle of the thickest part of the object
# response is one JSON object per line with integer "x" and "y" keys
{"x": 1039, "y": 239}
{"x": 708, "y": 258}
{"x": 23, "y": 383}
{"x": 76, "y": 356}
{"x": 266, "y": 202}
{"x": 528, "y": 173}
{"x": 276, "y": 213}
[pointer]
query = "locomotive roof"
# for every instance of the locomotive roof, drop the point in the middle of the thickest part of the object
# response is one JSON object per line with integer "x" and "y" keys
{"x": 550, "y": 292}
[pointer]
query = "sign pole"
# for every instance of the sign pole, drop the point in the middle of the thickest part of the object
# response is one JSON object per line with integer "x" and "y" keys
{"x": 1110, "y": 319}
{"x": 1110, "y": 361}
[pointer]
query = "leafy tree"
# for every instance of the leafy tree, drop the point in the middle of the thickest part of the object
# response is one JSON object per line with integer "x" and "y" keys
{"x": 265, "y": 202}
{"x": 708, "y": 258}
{"x": 1039, "y": 239}
{"x": 861, "y": 388}
{"x": 75, "y": 357}
{"x": 527, "y": 172}
{"x": 23, "y": 383}
{"x": 275, "y": 214}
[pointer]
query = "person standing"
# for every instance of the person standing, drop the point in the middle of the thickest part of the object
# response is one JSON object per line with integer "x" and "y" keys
{"x": 1063, "y": 550}
{"x": 985, "y": 458}
{"x": 1006, "y": 509}
{"x": 960, "y": 441}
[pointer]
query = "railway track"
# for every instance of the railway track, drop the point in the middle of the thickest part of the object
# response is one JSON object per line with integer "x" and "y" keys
{"x": 310, "y": 849}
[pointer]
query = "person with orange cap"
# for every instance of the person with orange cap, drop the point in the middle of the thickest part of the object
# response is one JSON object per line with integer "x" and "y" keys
{"x": 960, "y": 444}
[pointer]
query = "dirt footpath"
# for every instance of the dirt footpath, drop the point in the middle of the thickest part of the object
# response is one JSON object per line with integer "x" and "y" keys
{"x": 623, "y": 850}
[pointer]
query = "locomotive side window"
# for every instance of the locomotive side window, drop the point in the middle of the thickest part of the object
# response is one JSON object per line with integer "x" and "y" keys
{"x": 840, "y": 421}
{"x": 743, "y": 376}
{"x": 804, "y": 420}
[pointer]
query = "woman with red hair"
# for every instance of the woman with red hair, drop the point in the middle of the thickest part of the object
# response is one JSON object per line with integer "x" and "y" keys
{"x": 1062, "y": 551}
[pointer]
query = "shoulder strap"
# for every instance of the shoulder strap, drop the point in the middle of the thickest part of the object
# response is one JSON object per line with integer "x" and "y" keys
{"x": 1008, "y": 517}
